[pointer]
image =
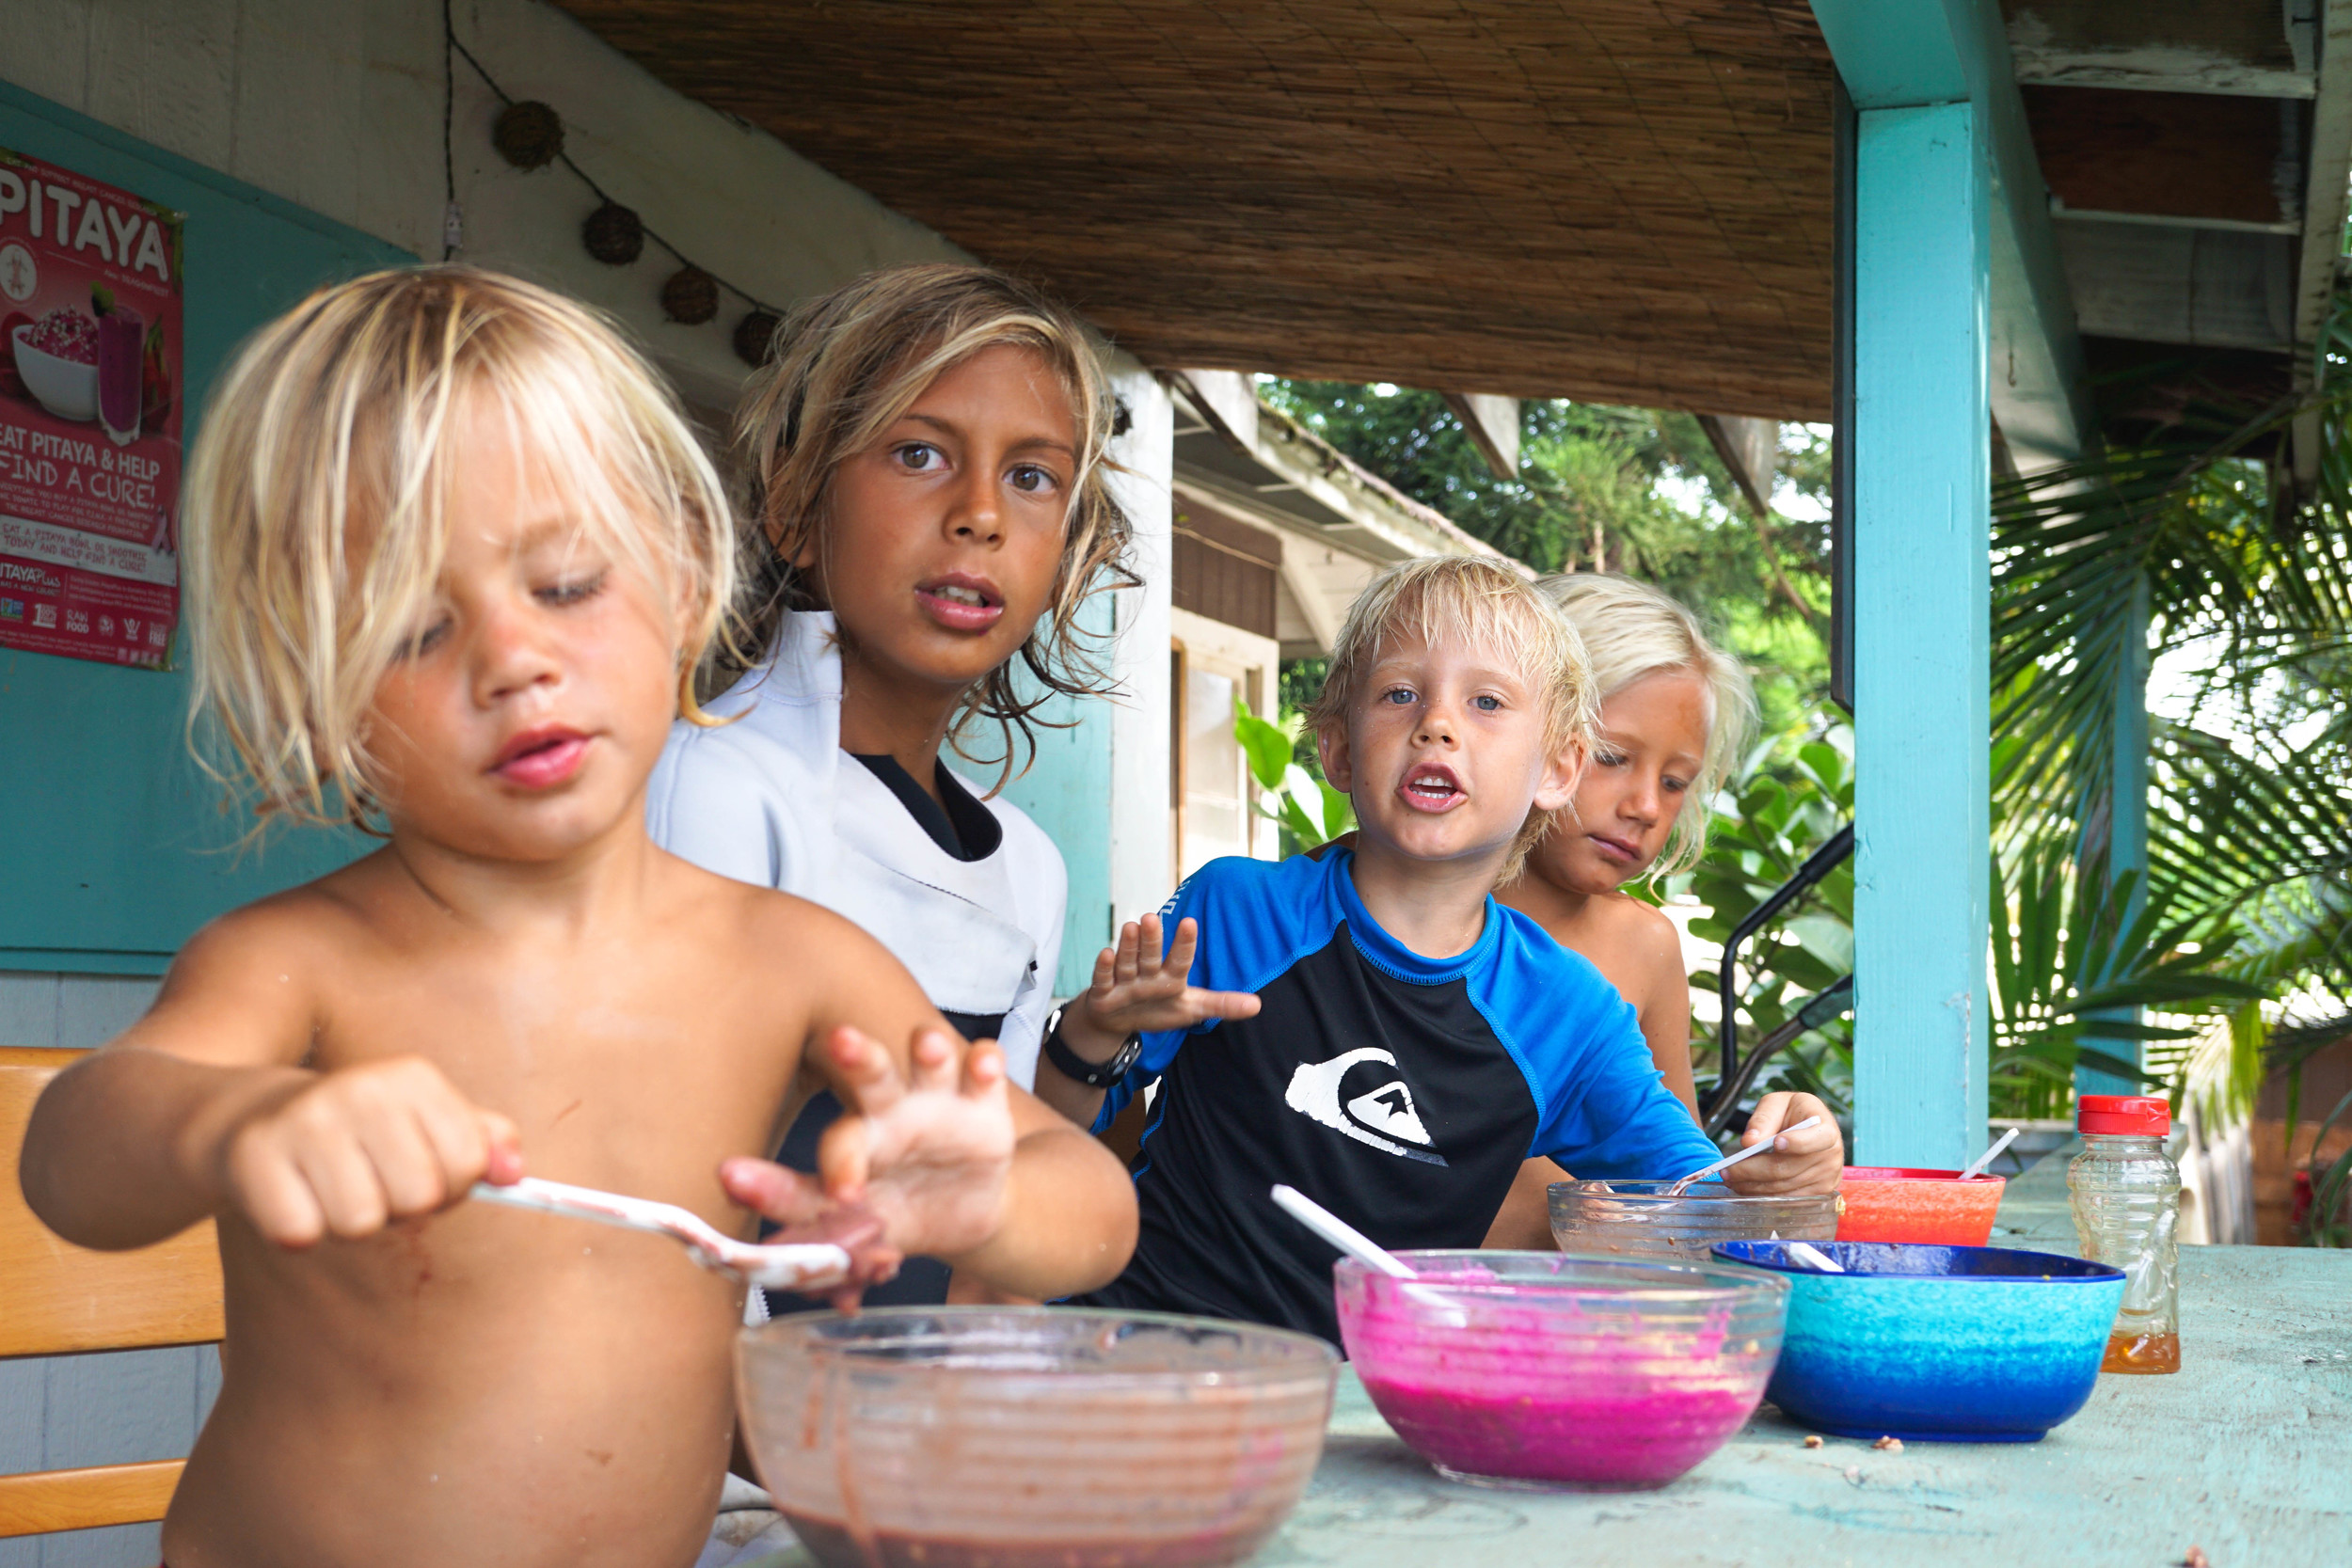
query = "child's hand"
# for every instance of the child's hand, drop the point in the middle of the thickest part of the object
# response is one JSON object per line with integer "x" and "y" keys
{"x": 351, "y": 1152}
{"x": 1807, "y": 1162}
{"x": 1138, "y": 992}
{"x": 927, "y": 1155}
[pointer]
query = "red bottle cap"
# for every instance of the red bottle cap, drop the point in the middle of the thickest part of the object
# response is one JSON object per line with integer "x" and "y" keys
{"x": 2146, "y": 1116}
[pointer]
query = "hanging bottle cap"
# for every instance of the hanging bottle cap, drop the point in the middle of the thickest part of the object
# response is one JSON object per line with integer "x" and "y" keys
{"x": 2146, "y": 1116}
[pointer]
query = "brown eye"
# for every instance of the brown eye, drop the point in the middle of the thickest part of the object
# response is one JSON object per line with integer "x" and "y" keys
{"x": 918, "y": 457}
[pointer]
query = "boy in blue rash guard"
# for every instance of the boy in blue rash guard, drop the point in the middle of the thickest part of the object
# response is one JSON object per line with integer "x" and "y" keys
{"x": 1368, "y": 1025}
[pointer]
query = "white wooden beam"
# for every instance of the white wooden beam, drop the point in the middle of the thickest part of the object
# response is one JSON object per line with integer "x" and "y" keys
{"x": 1493, "y": 424}
{"x": 1751, "y": 450}
{"x": 2161, "y": 48}
{"x": 1229, "y": 401}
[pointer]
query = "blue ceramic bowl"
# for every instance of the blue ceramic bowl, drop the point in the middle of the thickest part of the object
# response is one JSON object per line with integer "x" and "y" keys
{"x": 1952, "y": 1344}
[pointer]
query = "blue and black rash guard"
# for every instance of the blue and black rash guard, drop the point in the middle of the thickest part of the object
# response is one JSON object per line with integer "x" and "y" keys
{"x": 1402, "y": 1093}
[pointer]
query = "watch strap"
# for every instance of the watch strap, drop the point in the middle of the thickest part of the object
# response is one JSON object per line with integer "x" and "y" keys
{"x": 1094, "y": 1075}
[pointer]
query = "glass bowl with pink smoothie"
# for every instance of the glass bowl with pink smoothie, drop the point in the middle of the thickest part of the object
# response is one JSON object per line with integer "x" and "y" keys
{"x": 1032, "y": 1437}
{"x": 1639, "y": 1219}
{"x": 1541, "y": 1370}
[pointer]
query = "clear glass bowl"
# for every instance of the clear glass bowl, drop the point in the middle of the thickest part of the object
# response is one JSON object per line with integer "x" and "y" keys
{"x": 1636, "y": 1218}
{"x": 1032, "y": 1437}
{"x": 1535, "y": 1369}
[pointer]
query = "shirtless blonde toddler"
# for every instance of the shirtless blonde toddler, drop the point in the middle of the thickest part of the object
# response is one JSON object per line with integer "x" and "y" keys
{"x": 455, "y": 555}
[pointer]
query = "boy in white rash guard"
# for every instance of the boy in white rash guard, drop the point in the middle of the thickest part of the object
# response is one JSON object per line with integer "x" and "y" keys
{"x": 931, "y": 512}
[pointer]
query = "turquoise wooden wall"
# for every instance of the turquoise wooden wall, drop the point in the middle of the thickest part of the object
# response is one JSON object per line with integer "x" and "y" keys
{"x": 115, "y": 844}
{"x": 1068, "y": 794}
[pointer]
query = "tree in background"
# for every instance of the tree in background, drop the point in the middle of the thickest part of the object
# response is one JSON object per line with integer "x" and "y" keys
{"x": 1631, "y": 490}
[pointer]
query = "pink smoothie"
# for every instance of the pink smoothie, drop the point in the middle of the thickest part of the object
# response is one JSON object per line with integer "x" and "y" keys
{"x": 1624, "y": 1437}
{"x": 1594, "y": 1393}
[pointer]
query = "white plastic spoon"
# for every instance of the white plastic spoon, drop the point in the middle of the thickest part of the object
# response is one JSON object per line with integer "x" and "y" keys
{"x": 1340, "y": 1234}
{"x": 798, "y": 1266}
{"x": 1814, "y": 1258}
{"x": 1730, "y": 1159}
{"x": 1975, "y": 1166}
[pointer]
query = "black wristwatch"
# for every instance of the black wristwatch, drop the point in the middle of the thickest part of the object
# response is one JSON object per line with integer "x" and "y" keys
{"x": 1094, "y": 1075}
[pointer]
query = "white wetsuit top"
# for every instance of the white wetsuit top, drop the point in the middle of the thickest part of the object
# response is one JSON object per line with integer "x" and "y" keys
{"x": 772, "y": 800}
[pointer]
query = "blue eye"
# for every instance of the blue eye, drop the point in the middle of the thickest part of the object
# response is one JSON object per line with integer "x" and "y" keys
{"x": 1488, "y": 704}
{"x": 1398, "y": 694}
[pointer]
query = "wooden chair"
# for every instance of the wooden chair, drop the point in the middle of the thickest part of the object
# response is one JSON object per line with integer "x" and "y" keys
{"x": 56, "y": 1299}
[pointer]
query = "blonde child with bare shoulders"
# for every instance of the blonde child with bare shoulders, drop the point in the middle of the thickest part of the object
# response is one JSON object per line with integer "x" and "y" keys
{"x": 1675, "y": 712}
{"x": 455, "y": 555}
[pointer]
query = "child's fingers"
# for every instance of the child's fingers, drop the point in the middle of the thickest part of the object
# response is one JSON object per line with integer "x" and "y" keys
{"x": 1766, "y": 1120}
{"x": 273, "y": 1193}
{"x": 407, "y": 1166}
{"x": 867, "y": 1080}
{"x": 845, "y": 1159}
{"x": 349, "y": 1195}
{"x": 1130, "y": 954}
{"x": 457, "y": 1141}
{"x": 934, "y": 1059}
{"x": 1106, "y": 969}
{"x": 771, "y": 1190}
{"x": 1177, "y": 961}
{"x": 503, "y": 1148}
{"x": 983, "y": 1068}
{"x": 1221, "y": 1004}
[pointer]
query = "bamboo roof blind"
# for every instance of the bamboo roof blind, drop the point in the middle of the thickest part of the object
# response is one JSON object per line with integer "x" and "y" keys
{"x": 1622, "y": 200}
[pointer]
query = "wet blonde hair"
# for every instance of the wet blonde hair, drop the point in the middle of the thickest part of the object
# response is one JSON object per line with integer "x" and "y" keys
{"x": 1631, "y": 630}
{"x": 849, "y": 365}
{"x": 317, "y": 495}
{"x": 1472, "y": 601}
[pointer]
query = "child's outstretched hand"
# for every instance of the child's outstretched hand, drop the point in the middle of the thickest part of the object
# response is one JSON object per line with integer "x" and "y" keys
{"x": 351, "y": 1152}
{"x": 1808, "y": 1161}
{"x": 926, "y": 1154}
{"x": 1140, "y": 989}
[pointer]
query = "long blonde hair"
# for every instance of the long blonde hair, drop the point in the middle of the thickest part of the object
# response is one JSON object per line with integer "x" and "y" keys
{"x": 847, "y": 365}
{"x": 317, "y": 494}
{"x": 1630, "y": 629}
{"x": 1476, "y": 602}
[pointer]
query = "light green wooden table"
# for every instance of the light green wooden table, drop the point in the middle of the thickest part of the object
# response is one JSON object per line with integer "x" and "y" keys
{"x": 2245, "y": 1452}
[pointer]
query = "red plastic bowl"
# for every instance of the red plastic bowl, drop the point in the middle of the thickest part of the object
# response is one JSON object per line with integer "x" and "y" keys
{"x": 1885, "y": 1203}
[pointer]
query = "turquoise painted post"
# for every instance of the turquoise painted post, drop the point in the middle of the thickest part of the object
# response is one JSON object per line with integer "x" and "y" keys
{"x": 1922, "y": 581}
{"x": 2127, "y": 814}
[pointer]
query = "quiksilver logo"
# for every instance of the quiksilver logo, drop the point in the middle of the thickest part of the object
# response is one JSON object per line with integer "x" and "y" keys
{"x": 1383, "y": 1116}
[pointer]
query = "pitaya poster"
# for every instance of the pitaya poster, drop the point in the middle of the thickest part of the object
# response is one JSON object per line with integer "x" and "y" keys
{"x": 89, "y": 417}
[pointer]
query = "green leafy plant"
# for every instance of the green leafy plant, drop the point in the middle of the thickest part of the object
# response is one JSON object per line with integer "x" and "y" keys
{"x": 2077, "y": 962}
{"x": 1311, "y": 813}
{"x": 1766, "y": 824}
